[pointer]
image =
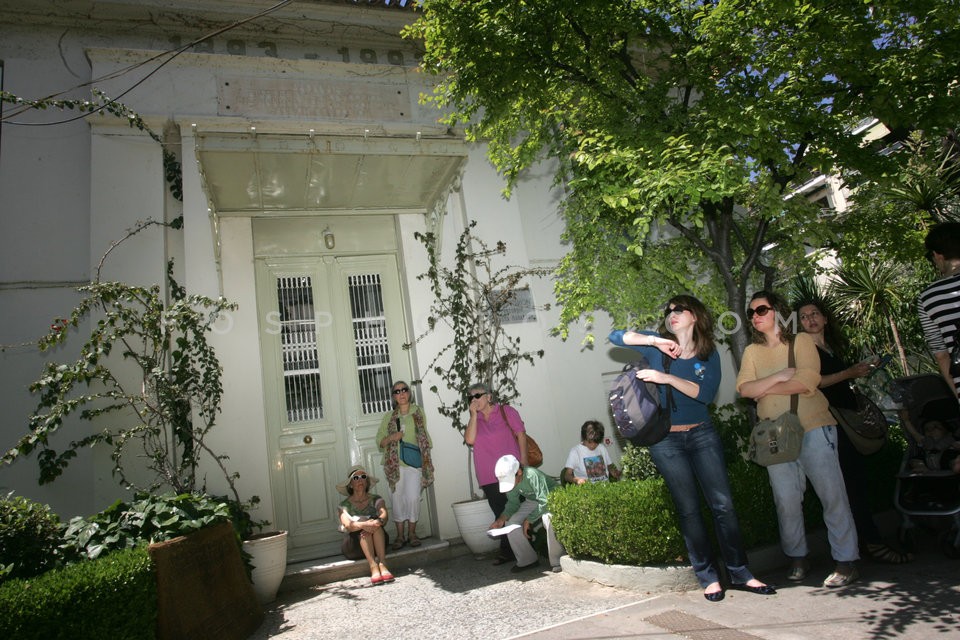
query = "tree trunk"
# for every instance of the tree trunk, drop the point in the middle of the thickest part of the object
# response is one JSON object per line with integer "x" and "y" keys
{"x": 900, "y": 351}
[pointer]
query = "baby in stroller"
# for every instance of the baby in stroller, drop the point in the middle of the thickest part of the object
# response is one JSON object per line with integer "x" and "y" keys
{"x": 928, "y": 485}
{"x": 938, "y": 449}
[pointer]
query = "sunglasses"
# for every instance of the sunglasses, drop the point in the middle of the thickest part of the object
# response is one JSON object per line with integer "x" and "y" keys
{"x": 761, "y": 311}
{"x": 477, "y": 396}
{"x": 397, "y": 392}
{"x": 677, "y": 309}
{"x": 359, "y": 476}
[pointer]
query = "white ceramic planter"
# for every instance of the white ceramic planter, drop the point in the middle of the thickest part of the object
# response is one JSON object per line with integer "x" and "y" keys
{"x": 268, "y": 553}
{"x": 473, "y": 519}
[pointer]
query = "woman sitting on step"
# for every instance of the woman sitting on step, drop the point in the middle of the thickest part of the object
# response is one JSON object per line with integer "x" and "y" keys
{"x": 362, "y": 517}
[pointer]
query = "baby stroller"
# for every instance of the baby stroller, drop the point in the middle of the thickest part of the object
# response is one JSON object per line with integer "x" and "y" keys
{"x": 925, "y": 492}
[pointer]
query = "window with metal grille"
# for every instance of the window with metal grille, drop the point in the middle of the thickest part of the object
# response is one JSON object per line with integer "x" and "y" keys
{"x": 370, "y": 337}
{"x": 298, "y": 340}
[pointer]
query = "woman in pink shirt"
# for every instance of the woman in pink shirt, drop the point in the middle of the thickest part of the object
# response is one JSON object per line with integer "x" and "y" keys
{"x": 494, "y": 430}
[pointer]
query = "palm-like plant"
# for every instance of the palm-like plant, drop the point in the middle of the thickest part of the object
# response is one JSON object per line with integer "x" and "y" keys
{"x": 930, "y": 185}
{"x": 869, "y": 295}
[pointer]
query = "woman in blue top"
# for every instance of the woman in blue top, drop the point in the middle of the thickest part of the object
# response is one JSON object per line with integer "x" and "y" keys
{"x": 691, "y": 455}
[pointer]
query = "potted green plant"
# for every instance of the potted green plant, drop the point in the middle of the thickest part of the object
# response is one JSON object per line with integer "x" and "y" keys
{"x": 472, "y": 298}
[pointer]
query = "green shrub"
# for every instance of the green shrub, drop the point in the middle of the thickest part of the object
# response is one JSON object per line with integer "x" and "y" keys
{"x": 149, "y": 518}
{"x": 636, "y": 463}
{"x": 631, "y": 522}
{"x": 111, "y": 597}
{"x": 29, "y": 538}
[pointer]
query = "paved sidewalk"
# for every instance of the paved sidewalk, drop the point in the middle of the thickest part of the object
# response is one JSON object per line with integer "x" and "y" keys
{"x": 466, "y": 598}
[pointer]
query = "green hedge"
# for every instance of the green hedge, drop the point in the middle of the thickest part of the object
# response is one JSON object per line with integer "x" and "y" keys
{"x": 111, "y": 597}
{"x": 29, "y": 538}
{"x": 633, "y": 522}
{"x": 629, "y": 522}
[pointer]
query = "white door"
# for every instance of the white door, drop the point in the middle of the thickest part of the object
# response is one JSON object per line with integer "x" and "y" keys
{"x": 332, "y": 334}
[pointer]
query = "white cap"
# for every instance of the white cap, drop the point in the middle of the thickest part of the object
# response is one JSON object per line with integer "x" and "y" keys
{"x": 506, "y": 472}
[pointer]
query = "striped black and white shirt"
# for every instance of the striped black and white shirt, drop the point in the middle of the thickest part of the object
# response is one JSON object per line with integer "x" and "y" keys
{"x": 940, "y": 315}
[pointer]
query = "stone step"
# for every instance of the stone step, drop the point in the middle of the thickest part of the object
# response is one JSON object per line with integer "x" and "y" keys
{"x": 321, "y": 571}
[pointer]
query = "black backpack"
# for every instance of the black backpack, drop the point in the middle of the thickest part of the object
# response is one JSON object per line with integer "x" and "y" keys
{"x": 635, "y": 406}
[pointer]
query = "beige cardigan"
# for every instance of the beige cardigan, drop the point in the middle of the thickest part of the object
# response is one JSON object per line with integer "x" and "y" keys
{"x": 760, "y": 361}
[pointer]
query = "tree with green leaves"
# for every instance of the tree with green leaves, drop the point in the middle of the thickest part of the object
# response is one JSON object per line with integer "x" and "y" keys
{"x": 684, "y": 132}
{"x": 879, "y": 268}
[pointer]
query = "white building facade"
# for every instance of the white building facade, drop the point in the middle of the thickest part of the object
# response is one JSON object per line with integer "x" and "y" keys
{"x": 308, "y": 163}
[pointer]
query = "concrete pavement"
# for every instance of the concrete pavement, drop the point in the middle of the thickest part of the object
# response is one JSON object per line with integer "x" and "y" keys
{"x": 453, "y": 595}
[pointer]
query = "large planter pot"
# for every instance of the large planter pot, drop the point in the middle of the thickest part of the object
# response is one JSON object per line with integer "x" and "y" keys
{"x": 202, "y": 588}
{"x": 473, "y": 519}
{"x": 268, "y": 555}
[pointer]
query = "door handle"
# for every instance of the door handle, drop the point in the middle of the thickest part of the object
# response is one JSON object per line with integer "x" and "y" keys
{"x": 307, "y": 439}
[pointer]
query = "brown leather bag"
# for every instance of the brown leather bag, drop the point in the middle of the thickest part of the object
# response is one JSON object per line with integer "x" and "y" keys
{"x": 534, "y": 454}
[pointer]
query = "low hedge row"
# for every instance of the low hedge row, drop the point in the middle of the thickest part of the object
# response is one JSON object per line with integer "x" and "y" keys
{"x": 111, "y": 597}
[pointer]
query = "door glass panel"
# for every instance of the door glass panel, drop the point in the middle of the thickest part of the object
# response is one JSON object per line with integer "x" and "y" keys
{"x": 298, "y": 339}
{"x": 370, "y": 337}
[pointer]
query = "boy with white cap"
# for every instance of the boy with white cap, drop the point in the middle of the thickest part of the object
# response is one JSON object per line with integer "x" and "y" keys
{"x": 534, "y": 485}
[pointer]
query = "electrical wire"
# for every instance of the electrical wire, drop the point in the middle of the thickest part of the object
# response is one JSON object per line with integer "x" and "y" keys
{"x": 120, "y": 72}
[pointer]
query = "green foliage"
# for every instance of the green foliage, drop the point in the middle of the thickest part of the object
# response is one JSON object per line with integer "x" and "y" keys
{"x": 879, "y": 243}
{"x": 147, "y": 519}
{"x": 112, "y": 597}
{"x": 876, "y": 299}
{"x": 687, "y": 126}
{"x": 178, "y": 375}
{"x": 470, "y": 298}
{"x": 29, "y": 537}
{"x": 871, "y": 310}
{"x": 636, "y": 463}
{"x": 630, "y": 522}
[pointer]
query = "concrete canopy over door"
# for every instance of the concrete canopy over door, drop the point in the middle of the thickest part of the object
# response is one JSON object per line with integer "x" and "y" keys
{"x": 276, "y": 175}
{"x": 332, "y": 320}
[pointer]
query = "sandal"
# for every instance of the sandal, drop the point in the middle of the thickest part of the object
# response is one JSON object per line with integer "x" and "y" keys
{"x": 415, "y": 541}
{"x": 841, "y": 577}
{"x": 883, "y": 553}
{"x": 385, "y": 574}
{"x": 798, "y": 570}
{"x": 399, "y": 544}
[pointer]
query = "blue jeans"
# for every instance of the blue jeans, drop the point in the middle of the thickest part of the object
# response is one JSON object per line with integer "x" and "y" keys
{"x": 692, "y": 462}
{"x": 820, "y": 463}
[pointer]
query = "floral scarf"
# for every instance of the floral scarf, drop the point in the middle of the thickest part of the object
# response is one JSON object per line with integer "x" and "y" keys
{"x": 391, "y": 457}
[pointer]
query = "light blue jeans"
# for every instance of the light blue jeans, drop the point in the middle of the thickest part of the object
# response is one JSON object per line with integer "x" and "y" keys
{"x": 820, "y": 463}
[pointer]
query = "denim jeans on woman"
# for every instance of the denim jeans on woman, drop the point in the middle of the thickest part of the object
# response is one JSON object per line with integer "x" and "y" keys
{"x": 819, "y": 462}
{"x": 690, "y": 462}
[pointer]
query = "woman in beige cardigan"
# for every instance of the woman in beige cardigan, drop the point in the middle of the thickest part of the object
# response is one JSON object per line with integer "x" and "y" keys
{"x": 765, "y": 377}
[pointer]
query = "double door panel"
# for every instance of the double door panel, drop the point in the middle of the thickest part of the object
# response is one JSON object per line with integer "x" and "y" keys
{"x": 332, "y": 334}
